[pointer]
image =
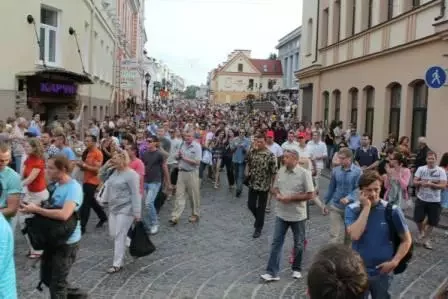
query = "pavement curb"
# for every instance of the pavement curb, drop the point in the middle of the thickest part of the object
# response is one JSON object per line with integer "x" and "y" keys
{"x": 408, "y": 213}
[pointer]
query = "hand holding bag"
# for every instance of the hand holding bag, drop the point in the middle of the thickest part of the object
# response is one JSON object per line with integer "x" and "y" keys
{"x": 141, "y": 245}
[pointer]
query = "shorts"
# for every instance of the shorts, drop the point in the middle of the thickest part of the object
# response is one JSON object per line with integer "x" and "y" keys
{"x": 423, "y": 209}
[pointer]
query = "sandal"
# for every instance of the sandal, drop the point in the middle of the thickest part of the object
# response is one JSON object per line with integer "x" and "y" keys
{"x": 114, "y": 269}
{"x": 33, "y": 256}
{"x": 193, "y": 219}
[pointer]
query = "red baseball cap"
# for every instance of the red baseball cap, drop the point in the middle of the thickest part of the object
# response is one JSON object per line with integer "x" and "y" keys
{"x": 270, "y": 134}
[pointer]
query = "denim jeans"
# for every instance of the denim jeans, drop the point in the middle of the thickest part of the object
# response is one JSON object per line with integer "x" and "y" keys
{"x": 256, "y": 203}
{"x": 379, "y": 286}
{"x": 238, "y": 169}
{"x": 18, "y": 163}
{"x": 281, "y": 227}
{"x": 151, "y": 191}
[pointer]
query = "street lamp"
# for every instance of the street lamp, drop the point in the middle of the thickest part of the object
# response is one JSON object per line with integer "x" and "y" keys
{"x": 147, "y": 80}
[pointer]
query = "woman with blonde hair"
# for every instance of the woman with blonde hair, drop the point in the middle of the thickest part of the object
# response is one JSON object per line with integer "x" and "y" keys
{"x": 33, "y": 181}
{"x": 122, "y": 192}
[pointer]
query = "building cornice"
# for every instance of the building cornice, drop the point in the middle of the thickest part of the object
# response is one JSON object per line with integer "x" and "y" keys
{"x": 296, "y": 33}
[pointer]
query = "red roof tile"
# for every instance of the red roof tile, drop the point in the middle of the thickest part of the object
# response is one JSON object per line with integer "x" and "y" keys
{"x": 268, "y": 66}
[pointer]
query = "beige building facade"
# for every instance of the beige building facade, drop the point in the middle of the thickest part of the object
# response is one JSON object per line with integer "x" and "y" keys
{"x": 364, "y": 62}
{"x": 56, "y": 56}
{"x": 241, "y": 76}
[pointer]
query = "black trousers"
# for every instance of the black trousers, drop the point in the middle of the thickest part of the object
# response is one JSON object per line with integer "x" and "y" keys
{"x": 90, "y": 202}
{"x": 55, "y": 266}
{"x": 257, "y": 205}
{"x": 227, "y": 162}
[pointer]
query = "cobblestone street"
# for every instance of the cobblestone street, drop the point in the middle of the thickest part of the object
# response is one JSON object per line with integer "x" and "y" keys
{"x": 217, "y": 258}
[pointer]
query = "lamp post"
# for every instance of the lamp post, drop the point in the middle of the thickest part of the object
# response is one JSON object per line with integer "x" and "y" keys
{"x": 147, "y": 80}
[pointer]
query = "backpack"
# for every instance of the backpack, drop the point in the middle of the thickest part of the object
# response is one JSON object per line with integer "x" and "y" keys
{"x": 396, "y": 240}
{"x": 44, "y": 232}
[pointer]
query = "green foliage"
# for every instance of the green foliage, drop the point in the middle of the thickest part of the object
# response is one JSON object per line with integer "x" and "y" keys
{"x": 273, "y": 56}
{"x": 190, "y": 92}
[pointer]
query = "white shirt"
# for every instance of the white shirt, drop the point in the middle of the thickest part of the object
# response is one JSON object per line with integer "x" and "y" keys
{"x": 275, "y": 149}
{"x": 318, "y": 149}
{"x": 434, "y": 175}
{"x": 305, "y": 157}
{"x": 290, "y": 146}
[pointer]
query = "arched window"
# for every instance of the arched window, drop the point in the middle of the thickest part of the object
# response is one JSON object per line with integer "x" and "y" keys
{"x": 395, "y": 105}
{"x": 370, "y": 111}
{"x": 337, "y": 105}
{"x": 354, "y": 106}
{"x": 419, "y": 112}
{"x": 326, "y": 107}
{"x": 309, "y": 36}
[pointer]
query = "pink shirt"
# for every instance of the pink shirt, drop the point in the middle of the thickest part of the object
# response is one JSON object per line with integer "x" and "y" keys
{"x": 138, "y": 166}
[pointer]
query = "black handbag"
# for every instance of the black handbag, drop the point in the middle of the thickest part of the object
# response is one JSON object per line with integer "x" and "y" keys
{"x": 45, "y": 233}
{"x": 141, "y": 245}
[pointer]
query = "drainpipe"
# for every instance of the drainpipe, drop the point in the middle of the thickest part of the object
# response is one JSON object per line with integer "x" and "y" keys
{"x": 442, "y": 11}
{"x": 92, "y": 19}
{"x": 317, "y": 32}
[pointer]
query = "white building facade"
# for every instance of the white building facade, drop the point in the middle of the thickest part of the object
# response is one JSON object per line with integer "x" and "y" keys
{"x": 42, "y": 71}
{"x": 288, "y": 53}
{"x": 364, "y": 62}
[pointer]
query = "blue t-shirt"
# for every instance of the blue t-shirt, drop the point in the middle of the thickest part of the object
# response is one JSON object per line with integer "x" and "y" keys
{"x": 375, "y": 246}
{"x": 68, "y": 153}
{"x": 8, "y": 289}
{"x": 10, "y": 184}
{"x": 70, "y": 191}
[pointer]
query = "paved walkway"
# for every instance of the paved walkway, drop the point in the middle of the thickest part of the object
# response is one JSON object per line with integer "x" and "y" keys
{"x": 216, "y": 258}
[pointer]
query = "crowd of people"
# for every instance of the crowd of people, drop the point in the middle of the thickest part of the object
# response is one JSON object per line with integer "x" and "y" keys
{"x": 126, "y": 167}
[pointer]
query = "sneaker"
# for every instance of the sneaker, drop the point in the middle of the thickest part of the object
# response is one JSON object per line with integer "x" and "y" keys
{"x": 154, "y": 229}
{"x": 296, "y": 274}
{"x": 427, "y": 245}
{"x": 269, "y": 277}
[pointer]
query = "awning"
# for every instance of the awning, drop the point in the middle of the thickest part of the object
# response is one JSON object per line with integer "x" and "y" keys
{"x": 58, "y": 73}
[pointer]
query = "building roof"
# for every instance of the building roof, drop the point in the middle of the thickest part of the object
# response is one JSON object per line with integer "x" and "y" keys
{"x": 268, "y": 66}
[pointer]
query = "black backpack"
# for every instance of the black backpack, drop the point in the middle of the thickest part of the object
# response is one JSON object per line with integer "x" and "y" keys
{"x": 44, "y": 232}
{"x": 396, "y": 240}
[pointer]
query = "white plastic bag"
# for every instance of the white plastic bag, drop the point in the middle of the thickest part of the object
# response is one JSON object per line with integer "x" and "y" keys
{"x": 101, "y": 195}
{"x": 207, "y": 157}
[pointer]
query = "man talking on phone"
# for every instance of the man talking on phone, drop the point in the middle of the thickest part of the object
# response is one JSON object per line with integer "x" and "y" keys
{"x": 369, "y": 231}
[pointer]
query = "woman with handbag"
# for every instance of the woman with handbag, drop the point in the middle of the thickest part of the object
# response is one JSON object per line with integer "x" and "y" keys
{"x": 33, "y": 179}
{"x": 65, "y": 200}
{"x": 124, "y": 198}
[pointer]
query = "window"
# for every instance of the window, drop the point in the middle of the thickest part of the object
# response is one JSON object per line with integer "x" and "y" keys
{"x": 337, "y": 105}
{"x": 394, "y": 114}
{"x": 309, "y": 36}
{"x": 370, "y": 103}
{"x": 369, "y": 14}
{"x": 354, "y": 106}
{"x": 326, "y": 107}
{"x": 251, "y": 84}
{"x": 415, "y": 3}
{"x": 353, "y": 29}
{"x": 48, "y": 35}
{"x": 325, "y": 23}
{"x": 419, "y": 112}
{"x": 337, "y": 21}
{"x": 240, "y": 67}
{"x": 390, "y": 9}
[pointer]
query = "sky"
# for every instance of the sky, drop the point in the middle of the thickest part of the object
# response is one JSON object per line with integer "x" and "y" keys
{"x": 193, "y": 36}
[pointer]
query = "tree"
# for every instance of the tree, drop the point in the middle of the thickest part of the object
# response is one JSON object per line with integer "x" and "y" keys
{"x": 190, "y": 92}
{"x": 273, "y": 56}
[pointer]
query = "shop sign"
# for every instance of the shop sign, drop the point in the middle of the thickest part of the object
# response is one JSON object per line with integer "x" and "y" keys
{"x": 62, "y": 89}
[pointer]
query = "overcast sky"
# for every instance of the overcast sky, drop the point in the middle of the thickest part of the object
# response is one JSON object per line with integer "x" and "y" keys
{"x": 193, "y": 36}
